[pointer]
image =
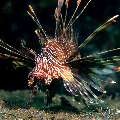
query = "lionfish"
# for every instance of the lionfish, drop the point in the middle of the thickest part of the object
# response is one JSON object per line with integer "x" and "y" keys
{"x": 60, "y": 55}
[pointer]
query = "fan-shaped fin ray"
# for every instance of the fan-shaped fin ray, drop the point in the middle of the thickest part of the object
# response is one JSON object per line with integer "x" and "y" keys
{"x": 79, "y": 87}
{"x": 95, "y": 32}
{"x": 102, "y": 58}
{"x": 14, "y": 51}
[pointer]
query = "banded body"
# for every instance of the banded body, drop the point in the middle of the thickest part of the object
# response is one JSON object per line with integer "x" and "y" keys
{"x": 60, "y": 57}
{"x": 51, "y": 63}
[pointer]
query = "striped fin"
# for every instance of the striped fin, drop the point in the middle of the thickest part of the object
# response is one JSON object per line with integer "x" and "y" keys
{"x": 14, "y": 52}
{"x": 79, "y": 87}
{"x": 94, "y": 33}
{"x": 99, "y": 59}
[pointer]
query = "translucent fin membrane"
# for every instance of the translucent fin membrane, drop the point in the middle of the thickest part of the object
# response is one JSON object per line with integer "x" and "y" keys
{"x": 66, "y": 25}
{"x": 4, "y": 56}
{"x": 92, "y": 35}
{"x": 79, "y": 87}
{"x": 78, "y": 3}
{"x": 72, "y": 22}
{"x": 74, "y": 17}
{"x": 100, "y": 56}
{"x": 12, "y": 50}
